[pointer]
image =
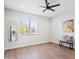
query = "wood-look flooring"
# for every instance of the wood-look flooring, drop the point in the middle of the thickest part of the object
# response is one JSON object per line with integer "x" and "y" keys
{"x": 42, "y": 51}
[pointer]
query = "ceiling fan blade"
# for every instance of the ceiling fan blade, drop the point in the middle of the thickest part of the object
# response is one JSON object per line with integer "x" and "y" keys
{"x": 55, "y": 5}
{"x": 43, "y": 6}
{"x": 46, "y": 2}
{"x": 44, "y": 10}
{"x": 52, "y": 9}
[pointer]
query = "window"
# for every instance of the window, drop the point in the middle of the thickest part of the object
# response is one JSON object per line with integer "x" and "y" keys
{"x": 28, "y": 26}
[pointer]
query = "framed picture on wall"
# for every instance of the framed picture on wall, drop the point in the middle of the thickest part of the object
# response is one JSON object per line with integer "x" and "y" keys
{"x": 69, "y": 26}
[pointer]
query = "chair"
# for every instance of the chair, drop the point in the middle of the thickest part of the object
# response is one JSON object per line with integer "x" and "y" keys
{"x": 68, "y": 40}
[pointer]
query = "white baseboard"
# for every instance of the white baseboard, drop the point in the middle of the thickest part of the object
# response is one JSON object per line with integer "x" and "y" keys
{"x": 26, "y": 45}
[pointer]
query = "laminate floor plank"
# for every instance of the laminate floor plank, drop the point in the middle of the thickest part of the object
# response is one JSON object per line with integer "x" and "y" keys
{"x": 42, "y": 51}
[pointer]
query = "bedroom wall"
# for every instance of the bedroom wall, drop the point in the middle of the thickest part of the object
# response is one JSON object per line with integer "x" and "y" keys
{"x": 12, "y": 17}
{"x": 57, "y": 29}
{"x": 49, "y": 30}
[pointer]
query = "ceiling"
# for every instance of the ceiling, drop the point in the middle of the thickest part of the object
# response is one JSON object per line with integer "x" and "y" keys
{"x": 32, "y": 6}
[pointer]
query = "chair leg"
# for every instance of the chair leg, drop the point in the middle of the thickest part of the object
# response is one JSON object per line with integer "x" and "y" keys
{"x": 60, "y": 43}
{"x": 71, "y": 46}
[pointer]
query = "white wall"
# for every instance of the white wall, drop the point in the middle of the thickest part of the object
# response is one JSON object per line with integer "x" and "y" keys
{"x": 12, "y": 17}
{"x": 57, "y": 30}
{"x": 49, "y": 30}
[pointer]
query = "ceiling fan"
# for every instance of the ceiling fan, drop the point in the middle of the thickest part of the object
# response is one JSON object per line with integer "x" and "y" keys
{"x": 49, "y": 7}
